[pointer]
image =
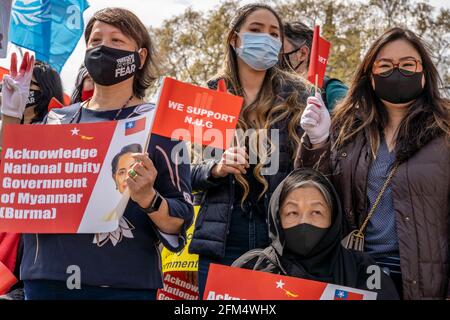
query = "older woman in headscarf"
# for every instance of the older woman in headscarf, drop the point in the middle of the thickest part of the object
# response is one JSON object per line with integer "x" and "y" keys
{"x": 305, "y": 222}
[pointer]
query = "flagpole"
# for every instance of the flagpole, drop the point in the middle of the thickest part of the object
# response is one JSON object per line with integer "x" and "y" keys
{"x": 316, "y": 84}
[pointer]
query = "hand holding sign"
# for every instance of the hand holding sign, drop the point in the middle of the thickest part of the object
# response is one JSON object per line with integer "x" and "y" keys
{"x": 59, "y": 184}
{"x": 234, "y": 161}
{"x": 16, "y": 86}
{"x": 316, "y": 120}
{"x": 141, "y": 183}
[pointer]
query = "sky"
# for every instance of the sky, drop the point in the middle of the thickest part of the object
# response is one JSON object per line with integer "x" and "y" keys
{"x": 152, "y": 13}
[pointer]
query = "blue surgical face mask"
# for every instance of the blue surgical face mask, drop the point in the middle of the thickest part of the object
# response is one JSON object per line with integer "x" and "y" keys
{"x": 259, "y": 50}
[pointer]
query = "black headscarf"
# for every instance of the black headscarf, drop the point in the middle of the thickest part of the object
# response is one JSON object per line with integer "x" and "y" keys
{"x": 327, "y": 261}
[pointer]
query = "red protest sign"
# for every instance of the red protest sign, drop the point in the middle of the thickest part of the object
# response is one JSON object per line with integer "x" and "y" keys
{"x": 7, "y": 279}
{"x": 227, "y": 283}
{"x": 196, "y": 114}
{"x": 318, "y": 59}
{"x": 177, "y": 287}
{"x": 59, "y": 182}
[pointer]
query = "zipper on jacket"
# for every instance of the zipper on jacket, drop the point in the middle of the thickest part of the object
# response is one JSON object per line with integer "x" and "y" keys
{"x": 230, "y": 210}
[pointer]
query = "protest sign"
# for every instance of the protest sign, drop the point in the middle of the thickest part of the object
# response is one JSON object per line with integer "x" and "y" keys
{"x": 176, "y": 266}
{"x": 64, "y": 178}
{"x": 196, "y": 114}
{"x": 319, "y": 58}
{"x": 183, "y": 260}
{"x": 7, "y": 279}
{"x": 227, "y": 283}
{"x": 177, "y": 287}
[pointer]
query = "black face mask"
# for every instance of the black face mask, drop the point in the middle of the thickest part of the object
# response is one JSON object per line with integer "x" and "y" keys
{"x": 34, "y": 97}
{"x": 398, "y": 88}
{"x": 108, "y": 66}
{"x": 288, "y": 61}
{"x": 297, "y": 66}
{"x": 302, "y": 238}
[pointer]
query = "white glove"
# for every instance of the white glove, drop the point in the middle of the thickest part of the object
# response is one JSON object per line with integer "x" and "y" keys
{"x": 16, "y": 87}
{"x": 316, "y": 120}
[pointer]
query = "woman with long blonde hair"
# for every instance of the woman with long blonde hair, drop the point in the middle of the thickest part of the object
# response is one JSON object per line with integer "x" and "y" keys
{"x": 238, "y": 184}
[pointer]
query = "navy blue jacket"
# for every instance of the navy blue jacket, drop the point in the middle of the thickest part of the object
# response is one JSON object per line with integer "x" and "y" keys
{"x": 128, "y": 258}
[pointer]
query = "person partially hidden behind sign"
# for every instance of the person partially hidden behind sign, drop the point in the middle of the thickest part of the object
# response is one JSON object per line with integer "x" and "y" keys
{"x": 120, "y": 60}
{"x": 305, "y": 222}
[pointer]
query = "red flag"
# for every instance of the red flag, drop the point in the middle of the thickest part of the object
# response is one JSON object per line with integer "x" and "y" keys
{"x": 222, "y": 86}
{"x": 318, "y": 58}
{"x": 7, "y": 279}
{"x": 340, "y": 294}
{"x": 54, "y": 104}
{"x": 134, "y": 126}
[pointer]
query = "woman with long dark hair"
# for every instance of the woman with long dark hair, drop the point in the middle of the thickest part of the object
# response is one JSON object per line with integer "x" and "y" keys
{"x": 387, "y": 148}
{"x": 45, "y": 85}
{"x": 237, "y": 186}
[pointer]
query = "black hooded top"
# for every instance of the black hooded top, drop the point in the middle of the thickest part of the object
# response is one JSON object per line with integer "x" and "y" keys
{"x": 327, "y": 262}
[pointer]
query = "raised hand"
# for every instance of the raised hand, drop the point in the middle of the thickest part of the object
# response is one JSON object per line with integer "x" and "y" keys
{"x": 16, "y": 86}
{"x": 316, "y": 120}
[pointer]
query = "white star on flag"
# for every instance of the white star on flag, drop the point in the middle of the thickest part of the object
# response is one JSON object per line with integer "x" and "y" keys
{"x": 280, "y": 284}
{"x": 75, "y": 131}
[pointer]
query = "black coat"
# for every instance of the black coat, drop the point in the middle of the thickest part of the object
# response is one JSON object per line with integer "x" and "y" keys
{"x": 212, "y": 225}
